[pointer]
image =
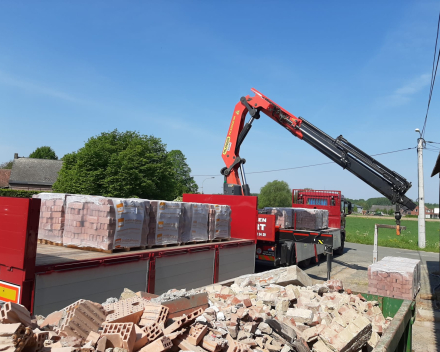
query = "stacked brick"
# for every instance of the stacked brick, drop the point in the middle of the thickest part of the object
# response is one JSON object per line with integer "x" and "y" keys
{"x": 90, "y": 222}
{"x": 196, "y": 222}
{"x": 130, "y": 216}
{"x": 166, "y": 223}
{"x": 146, "y": 223}
{"x": 311, "y": 219}
{"x": 219, "y": 222}
{"x": 51, "y": 216}
{"x": 109, "y": 223}
{"x": 284, "y": 217}
{"x": 394, "y": 277}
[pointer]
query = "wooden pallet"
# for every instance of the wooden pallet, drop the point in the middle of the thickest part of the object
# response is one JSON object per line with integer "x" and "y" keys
{"x": 109, "y": 251}
{"x": 219, "y": 240}
{"x": 164, "y": 245}
{"x": 41, "y": 241}
{"x": 195, "y": 242}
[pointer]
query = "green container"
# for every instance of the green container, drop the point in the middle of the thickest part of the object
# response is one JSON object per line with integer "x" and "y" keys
{"x": 398, "y": 335}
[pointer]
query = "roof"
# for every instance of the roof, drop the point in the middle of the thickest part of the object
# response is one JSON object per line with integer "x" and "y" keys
{"x": 382, "y": 207}
{"x": 436, "y": 169}
{"x": 35, "y": 171}
{"x": 4, "y": 177}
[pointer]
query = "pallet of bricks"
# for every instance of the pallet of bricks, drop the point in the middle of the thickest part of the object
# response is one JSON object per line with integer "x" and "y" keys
{"x": 52, "y": 211}
{"x": 299, "y": 218}
{"x": 94, "y": 222}
{"x": 395, "y": 277}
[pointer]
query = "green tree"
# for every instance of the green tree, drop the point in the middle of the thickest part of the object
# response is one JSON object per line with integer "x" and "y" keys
{"x": 355, "y": 209}
{"x": 275, "y": 194}
{"x": 184, "y": 182}
{"x": 7, "y": 164}
{"x": 119, "y": 164}
{"x": 44, "y": 152}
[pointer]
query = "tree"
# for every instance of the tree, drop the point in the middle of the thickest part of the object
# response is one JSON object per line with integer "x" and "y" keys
{"x": 185, "y": 183}
{"x": 355, "y": 209}
{"x": 275, "y": 194}
{"x": 44, "y": 152}
{"x": 7, "y": 164}
{"x": 119, "y": 164}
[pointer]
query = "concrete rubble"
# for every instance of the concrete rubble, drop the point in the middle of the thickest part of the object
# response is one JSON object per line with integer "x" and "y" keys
{"x": 262, "y": 312}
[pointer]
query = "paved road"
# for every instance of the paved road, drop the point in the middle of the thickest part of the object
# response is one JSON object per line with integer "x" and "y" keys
{"x": 351, "y": 267}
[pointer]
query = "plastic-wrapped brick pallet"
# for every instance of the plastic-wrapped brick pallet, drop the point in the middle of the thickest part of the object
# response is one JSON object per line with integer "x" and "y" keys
{"x": 395, "y": 277}
{"x": 219, "y": 221}
{"x": 166, "y": 223}
{"x": 311, "y": 219}
{"x": 146, "y": 223}
{"x": 51, "y": 224}
{"x": 90, "y": 222}
{"x": 283, "y": 216}
{"x": 195, "y": 218}
{"x": 130, "y": 214}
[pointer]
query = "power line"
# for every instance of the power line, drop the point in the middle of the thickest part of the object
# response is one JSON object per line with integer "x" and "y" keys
{"x": 437, "y": 151}
{"x": 432, "y": 142}
{"x": 433, "y": 75}
{"x": 433, "y": 147}
{"x": 304, "y": 166}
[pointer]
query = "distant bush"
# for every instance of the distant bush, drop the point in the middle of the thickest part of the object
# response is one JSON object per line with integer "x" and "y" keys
{"x": 17, "y": 193}
{"x": 411, "y": 216}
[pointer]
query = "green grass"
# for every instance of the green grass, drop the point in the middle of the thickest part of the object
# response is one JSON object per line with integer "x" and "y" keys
{"x": 361, "y": 230}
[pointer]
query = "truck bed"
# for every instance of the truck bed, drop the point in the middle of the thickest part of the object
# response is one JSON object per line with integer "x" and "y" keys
{"x": 49, "y": 255}
{"x": 64, "y": 275}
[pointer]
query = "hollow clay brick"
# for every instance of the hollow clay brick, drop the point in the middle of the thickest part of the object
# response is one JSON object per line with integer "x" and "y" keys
{"x": 153, "y": 313}
{"x": 40, "y": 337}
{"x": 82, "y": 317}
{"x": 153, "y": 331}
{"x": 14, "y": 313}
{"x": 196, "y": 333}
{"x": 126, "y": 310}
{"x": 14, "y": 336}
{"x": 126, "y": 331}
{"x": 141, "y": 338}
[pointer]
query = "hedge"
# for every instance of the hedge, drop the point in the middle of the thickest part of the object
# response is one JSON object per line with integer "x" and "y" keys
{"x": 18, "y": 193}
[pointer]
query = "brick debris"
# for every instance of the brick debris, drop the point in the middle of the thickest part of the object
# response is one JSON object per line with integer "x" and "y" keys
{"x": 276, "y": 311}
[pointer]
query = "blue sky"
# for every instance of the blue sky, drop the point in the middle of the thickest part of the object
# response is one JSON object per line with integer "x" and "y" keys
{"x": 70, "y": 70}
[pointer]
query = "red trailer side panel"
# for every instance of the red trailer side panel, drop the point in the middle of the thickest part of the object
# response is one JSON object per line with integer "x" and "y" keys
{"x": 266, "y": 227}
{"x": 19, "y": 218}
{"x": 243, "y": 212}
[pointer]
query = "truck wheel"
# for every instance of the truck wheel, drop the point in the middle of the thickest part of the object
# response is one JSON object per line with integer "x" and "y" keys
{"x": 340, "y": 250}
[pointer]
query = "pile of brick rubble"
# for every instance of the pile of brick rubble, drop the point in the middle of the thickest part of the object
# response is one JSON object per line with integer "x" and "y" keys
{"x": 277, "y": 311}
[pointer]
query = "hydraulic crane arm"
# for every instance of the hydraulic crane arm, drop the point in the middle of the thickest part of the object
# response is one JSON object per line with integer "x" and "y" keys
{"x": 385, "y": 181}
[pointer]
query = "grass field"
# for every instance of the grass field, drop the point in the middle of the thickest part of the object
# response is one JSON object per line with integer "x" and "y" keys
{"x": 361, "y": 230}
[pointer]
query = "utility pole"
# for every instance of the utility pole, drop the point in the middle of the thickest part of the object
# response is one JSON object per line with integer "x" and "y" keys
{"x": 421, "y": 218}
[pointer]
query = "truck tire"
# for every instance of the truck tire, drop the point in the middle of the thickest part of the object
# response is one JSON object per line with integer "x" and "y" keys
{"x": 340, "y": 250}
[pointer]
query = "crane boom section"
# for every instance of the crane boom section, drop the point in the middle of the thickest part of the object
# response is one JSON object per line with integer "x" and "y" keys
{"x": 385, "y": 181}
